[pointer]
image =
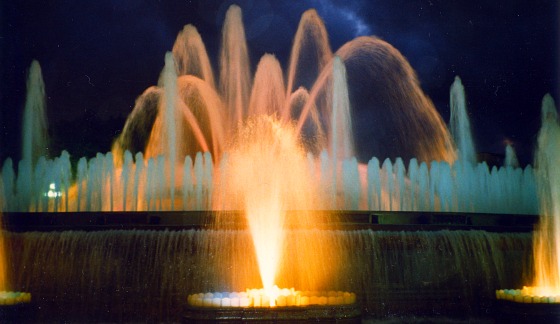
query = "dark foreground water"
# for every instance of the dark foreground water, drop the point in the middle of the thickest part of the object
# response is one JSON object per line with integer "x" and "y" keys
{"x": 136, "y": 275}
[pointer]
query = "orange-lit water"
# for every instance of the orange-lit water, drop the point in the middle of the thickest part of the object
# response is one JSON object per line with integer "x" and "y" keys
{"x": 545, "y": 282}
{"x": 546, "y": 241}
{"x": 3, "y": 268}
{"x": 265, "y": 171}
{"x": 266, "y": 174}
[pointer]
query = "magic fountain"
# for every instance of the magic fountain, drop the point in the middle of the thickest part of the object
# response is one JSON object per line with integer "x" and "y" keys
{"x": 278, "y": 152}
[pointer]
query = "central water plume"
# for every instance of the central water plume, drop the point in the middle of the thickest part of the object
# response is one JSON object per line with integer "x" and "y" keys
{"x": 266, "y": 174}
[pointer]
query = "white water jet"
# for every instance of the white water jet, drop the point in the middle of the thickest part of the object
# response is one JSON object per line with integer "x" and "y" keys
{"x": 34, "y": 131}
{"x": 374, "y": 184}
{"x": 341, "y": 144}
{"x": 34, "y": 140}
{"x": 187, "y": 183}
{"x": 171, "y": 117}
{"x": 511, "y": 157}
{"x": 351, "y": 186}
{"x": 460, "y": 125}
{"x": 125, "y": 179}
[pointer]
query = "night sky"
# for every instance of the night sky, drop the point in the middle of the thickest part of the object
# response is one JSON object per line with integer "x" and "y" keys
{"x": 98, "y": 56}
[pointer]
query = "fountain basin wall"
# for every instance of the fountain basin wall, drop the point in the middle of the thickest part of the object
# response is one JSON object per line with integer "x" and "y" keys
{"x": 139, "y": 274}
{"x": 180, "y": 220}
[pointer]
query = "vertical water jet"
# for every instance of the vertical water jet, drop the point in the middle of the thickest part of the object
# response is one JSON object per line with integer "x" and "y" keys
{"x": 266, "y": 175}
{"x": 235, "y": 79}
{"x": 545, "y": 284}
{"x": 460, "y": 125}
{"x": 547, "y": 236}
{"x": 34, "y": 131}
{"x": 511, "y": 157}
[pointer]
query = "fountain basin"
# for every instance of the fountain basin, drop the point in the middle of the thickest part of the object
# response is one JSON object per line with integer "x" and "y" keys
{"x": 281, "y": 298}
{"x": 525, "y": 296}
{"x": 277, "y": 305}
{"x": 514, "y": 305}
{"x": 15, "y": 307}
{"x": 13, "y": 298}
{"x": 119, "y": 290}
{"x": 349, "y": 220}
{"x": 289, "y": 314}
{"x": 508, "y": 311}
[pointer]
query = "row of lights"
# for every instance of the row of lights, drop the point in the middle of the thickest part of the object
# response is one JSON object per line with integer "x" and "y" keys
{"x": 277, "y": 297}
{"x": 526, "y": 295}
{"x": 13, "y": 298}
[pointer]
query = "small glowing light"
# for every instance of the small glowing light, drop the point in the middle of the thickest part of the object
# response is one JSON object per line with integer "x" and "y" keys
{"x": 532, "y": 295}
{"x": 12, "y": 298}
{"x": 52, "y": 193}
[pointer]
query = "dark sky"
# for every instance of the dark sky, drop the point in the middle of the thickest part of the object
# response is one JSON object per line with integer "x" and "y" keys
{"x": 98, "y": 56}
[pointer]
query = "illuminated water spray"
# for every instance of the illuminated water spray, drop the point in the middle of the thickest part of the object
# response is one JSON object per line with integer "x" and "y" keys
{"x": 459, "y": 123}
{"x": 547, "y": 237}
{"x": 266, "y": 175}
{"x": 264, "y": 146}
{"x": 545, "y": 287}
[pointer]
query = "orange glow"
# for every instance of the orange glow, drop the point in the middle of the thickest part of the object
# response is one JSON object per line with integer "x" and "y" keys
{"x": 267, "y": 173}
{"x": 546, "y": 240}
{"x": 3, "y": 281}
{"x": 546, "y": 252}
